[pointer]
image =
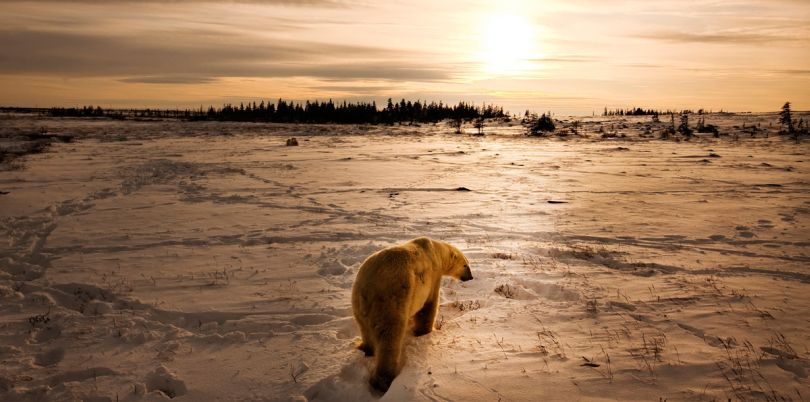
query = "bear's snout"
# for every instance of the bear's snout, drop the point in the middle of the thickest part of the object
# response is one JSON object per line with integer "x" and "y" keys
{"x": 467, "y": 275}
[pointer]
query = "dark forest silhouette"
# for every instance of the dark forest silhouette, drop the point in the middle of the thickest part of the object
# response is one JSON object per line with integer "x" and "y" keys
{"x": 650, "y": 112}
{"x": 307, "y": 112}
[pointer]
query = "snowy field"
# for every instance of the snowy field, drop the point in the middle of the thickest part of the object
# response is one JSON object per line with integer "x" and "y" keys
{"x": 209, "y": 261}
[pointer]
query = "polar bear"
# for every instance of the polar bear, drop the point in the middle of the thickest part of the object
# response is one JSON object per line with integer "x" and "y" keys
{"x": 394, "y": 285}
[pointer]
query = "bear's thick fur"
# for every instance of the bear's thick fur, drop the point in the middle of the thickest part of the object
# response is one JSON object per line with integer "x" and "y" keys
{"x": 394, "y": 285}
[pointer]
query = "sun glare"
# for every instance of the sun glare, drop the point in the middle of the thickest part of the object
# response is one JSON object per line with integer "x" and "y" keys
{"x": 508, "y": 44}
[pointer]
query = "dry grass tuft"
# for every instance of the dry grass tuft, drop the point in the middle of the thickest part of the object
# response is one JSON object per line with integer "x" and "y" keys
{"x": 507, "y": 291}
{"x": 502, "y": 256}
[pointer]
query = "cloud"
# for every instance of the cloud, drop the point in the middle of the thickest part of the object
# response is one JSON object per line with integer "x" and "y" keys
{"x": 643, "y": 65}
{"x": 797, "y": 72}
{"x": 91, "y": 55}
{"x": 728, "y": 37}
{"x": 169, "y": 79}
{"x": 357, "y": 90}
{"x": 197, "y": 56}
{"x": 291, "y": 3}
{"x": 380, "y": 71}
{"x": 565, "y": 59}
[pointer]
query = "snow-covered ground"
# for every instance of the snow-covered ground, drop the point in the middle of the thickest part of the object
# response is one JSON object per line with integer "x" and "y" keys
{"x": 209, "y": 261}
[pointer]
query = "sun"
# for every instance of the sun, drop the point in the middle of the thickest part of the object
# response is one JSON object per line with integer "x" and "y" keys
{"x": 507, "y": 45}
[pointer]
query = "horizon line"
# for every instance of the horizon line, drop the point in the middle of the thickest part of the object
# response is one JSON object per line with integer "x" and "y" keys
{"x": 422, "y": 101}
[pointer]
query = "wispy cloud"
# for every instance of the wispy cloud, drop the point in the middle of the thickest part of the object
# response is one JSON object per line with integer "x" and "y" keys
{"x": 378, "y": 70}
{"x": 357, "y": 90}
{"x": 565, "y": 59}
{"x": 194, "y": 56}
{"x": 292, "y": 3}
{"x": 643, "y": 65}
{"x": 795, "y": 72}
{"x": 595, "y": 52}
{"x": 727, "y": 37}
{"x": 169, "y": 79}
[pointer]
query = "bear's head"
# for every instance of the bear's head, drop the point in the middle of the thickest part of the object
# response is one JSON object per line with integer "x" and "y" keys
{"x": 459, "y": 265}
{"x": 454, "y": 263}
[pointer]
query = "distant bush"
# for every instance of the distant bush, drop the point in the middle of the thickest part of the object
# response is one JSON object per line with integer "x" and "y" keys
{"x": 683, "y": 128}
{"x": 702, "y": 127}
{"x": 802, "y": 128}
{"x": 542, "y": 126}
{"x": 575, "y": 127}
{"x": 292, "y": 142}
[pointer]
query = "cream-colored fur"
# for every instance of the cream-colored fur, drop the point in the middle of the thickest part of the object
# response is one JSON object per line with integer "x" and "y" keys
{"x": 395, "y": 285}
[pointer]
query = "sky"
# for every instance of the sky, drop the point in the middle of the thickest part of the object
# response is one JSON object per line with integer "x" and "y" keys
{"x": 564, "y": 56}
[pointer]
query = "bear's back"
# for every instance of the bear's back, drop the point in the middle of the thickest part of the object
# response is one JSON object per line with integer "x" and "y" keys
{"x": 391, "y": 258}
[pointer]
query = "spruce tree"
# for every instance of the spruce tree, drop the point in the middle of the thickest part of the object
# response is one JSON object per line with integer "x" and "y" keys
{"x": 785, "y": 119}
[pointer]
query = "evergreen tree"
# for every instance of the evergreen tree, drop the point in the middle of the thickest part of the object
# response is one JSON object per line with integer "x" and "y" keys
{"x": 683, "y": 128}
{"x": 456, "y": 123}
{"x": 786, "y": 119}
{"x": 479, "y": 125}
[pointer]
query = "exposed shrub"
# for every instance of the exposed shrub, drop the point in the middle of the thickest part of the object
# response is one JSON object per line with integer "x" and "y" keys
{"x": 542, "y": 126}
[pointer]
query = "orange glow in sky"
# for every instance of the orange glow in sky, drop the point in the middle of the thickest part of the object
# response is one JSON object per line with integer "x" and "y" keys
{"x": 572, "y": 57}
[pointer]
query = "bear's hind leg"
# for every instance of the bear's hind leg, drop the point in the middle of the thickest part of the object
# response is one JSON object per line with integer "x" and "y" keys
{"x": 388, "y": 352}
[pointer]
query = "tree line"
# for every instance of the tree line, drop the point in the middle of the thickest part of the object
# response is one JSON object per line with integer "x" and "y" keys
{"x": 308, "y": 112}
{"x": 649, "y": 112}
